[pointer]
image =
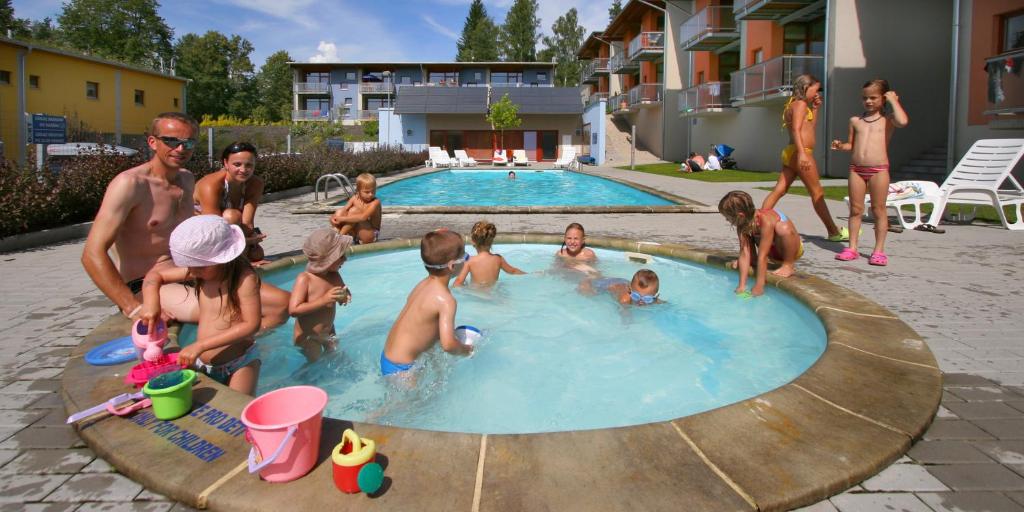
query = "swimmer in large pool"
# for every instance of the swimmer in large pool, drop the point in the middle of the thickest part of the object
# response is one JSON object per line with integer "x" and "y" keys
{"x": 429, "y": 312}
{"x": 642, "y": 290}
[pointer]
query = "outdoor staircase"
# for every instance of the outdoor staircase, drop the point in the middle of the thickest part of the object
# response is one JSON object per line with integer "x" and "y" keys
{"x": 927, "y": 166}
{"x": 617, "y": 144}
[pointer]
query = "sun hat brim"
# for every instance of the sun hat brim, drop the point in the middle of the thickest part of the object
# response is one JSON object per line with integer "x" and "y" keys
{"x": 187, "y": 254}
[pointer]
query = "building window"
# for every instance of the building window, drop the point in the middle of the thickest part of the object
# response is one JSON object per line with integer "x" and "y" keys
{"x": 542, "y": 77}
{"x": 175, "y": 102}
{"x": 348, "y": 102}
{"x": 92, "y": 90}
{"x": 1013, "y": 31}
{"x": 140, "y": 98}
{"x": 33, "y": 81}
{"x": 5, "y": 77}
{"x": 443, "y": 77}
{"x": 758, "y": 56}
{"x": 350, "y": 76}
{"x": 804, "y": 38}
{"x": 506, "y": 77}
{"x": 318, "y": 77}
{"x": 700, "y": 77}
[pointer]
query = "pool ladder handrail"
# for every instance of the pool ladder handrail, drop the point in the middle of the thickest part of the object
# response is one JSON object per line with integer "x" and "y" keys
{"x": 341, "y": 179}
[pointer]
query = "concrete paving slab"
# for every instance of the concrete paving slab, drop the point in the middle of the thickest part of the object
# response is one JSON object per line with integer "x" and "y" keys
{"x": 49, "y": 461}
{"x": 985, "y": 410}
{"x": 23, "y": 488}
{"x": 96, "y": 487}
{"x": 904, "y": 477}
{"x": 37, "y": 507}
{"x": 956, "y": 429}
{"x": 948, "y": 452}
{"x": 903, "y": 502}
{"x": 1003, "y": 429}
{"x": 821, "y": 506}
{"x": 978, "y": 477}
{"x": 984, "y": 394}
{"x": 1007, "y": 452}
{"x": 133, "y": 506}
{"x": 19, "y": 418}
{"x": 7, "y": 456}
{"x": 969, "y": 501}
{"x": 41, "y": 437}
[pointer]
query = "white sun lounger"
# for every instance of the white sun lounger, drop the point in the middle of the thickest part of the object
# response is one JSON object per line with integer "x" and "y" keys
{"x": 519, "y": 157}
{"x": 499, "y": 158}
{"x": 439, "y": 157}
{"x": 976, "y": 180}
{"x": 464, "y": 159}
{"x": 567, "y": 160}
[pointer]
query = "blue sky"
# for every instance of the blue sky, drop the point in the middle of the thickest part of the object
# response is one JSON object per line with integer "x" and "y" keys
{"x": 341, "y": 30}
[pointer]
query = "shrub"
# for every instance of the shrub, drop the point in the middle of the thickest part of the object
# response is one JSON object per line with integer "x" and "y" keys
{"x": 32, "y": 201}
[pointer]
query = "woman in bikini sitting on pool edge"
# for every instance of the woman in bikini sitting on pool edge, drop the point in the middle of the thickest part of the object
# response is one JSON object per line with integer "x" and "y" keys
{"x": 234, "y": 192}
{"x": 869, "y": 137}
{"x": 763, "y": 234}
{"x": 800, "y": 119}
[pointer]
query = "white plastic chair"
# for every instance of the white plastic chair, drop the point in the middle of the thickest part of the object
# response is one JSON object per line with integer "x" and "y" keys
{"x": 464, "y": 159}
{"x": 439, "y": 157}
{"x": 976, "y": 180}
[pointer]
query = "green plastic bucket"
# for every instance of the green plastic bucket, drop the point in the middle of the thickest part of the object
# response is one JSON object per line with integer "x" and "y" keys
{"x": 172, "y": 402}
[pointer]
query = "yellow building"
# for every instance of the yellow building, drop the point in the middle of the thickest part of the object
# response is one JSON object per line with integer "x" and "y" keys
{"x": 96, "y": 95}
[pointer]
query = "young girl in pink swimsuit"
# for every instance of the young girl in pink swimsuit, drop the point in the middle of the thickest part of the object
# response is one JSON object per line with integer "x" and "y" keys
{"x": 869, "y": 137}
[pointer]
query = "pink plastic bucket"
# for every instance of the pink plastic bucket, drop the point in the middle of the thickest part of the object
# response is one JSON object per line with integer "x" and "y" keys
{"x": 284, "y": 429}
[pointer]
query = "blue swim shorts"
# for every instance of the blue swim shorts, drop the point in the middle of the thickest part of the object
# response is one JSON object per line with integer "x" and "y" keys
{"x": 608, "y": 282}
{"x": 388, "y": 368}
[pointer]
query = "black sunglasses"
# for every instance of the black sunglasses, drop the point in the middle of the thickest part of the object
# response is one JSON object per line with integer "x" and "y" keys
{"x": 174, "y": 142}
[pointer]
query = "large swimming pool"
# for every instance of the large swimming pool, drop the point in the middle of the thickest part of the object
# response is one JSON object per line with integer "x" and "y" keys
{"x": 530, "y": 188}
{"x": 552, "y": 358}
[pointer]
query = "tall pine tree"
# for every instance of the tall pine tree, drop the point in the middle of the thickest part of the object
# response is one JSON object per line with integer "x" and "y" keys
{"x": 614, "y": 10}
{"x": 565, "y": 40}
{"x": 519, "y": 33}
{"x": 479, "y": 41}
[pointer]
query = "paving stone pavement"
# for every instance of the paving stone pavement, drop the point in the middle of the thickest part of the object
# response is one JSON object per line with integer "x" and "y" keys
{"x": 960, "y": 290}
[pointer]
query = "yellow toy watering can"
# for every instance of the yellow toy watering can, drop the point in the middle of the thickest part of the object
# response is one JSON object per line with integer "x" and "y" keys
{"x": 354, "y": 469}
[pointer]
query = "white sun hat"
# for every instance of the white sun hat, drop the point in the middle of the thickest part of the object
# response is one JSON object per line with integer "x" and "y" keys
{"x": 206, "y": 240}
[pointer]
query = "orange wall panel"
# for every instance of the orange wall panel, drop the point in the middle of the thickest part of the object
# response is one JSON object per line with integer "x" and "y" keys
{"x": 763, "y": 35}
{"x": 985, "y": 31}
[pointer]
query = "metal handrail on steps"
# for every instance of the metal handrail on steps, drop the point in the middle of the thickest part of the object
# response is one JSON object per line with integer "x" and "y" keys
{"x": 341, "y": 179}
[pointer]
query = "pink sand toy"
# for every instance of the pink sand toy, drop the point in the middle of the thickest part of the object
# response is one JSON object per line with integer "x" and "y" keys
{"x": 141, "y": 373}
{"x": 149, "y": 346}
{"x": 285, "y": 424}
{"x": 110, "y": 406}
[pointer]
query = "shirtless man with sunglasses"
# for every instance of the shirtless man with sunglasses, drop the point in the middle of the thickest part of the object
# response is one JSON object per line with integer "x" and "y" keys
{"x": 139, "y": 210}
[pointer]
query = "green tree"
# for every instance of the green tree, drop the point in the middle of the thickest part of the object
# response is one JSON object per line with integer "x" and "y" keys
{"x": 221, "y": 74}
{"x": 479, "y": 41}
{"x": 126, "y": 30}
{"x": 274, "y": 89}
{"x": 504, "y": 115}
{"x": 614, "y": 10}
{"x": 519, "y": 33}
{"x": 566, "y": 38}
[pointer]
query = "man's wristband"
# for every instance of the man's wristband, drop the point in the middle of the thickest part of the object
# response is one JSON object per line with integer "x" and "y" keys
{"x": 134, "y": 311}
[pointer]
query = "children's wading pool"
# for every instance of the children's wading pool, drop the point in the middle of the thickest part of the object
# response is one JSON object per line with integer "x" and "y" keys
{"x": 553, "y": 359}
{"x": 530, "y": 188}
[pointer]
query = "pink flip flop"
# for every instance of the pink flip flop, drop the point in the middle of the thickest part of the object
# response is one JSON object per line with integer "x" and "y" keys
{"x": 878, "y": 259}
{"x": 847, "y": 254}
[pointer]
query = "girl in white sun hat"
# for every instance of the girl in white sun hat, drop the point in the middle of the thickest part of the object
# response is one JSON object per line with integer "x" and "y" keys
{"x": 208, "y": 250}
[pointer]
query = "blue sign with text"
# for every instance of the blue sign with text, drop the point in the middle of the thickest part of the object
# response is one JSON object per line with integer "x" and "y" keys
{"x": 47, "y": 129}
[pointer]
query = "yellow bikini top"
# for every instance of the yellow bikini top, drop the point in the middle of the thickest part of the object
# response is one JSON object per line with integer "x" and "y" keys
{"x": 789, "y": 102}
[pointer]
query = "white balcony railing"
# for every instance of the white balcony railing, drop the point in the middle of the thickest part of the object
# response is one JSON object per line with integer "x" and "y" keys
{"x": 711, "y": 27}
{"x": 707, "y": 97}
{"x": 619, "y": 63}
{"x": 592, "y": 68}
{"x": 773, "y": 78}
{"x": 595, "y": 98}
{"x": 377, "y": 88}
{"x": 312, "y": 87}
{"x": 650, "y": 43}
{"x": 644, "y": 94}
{"x": 618, "y": 103}
{"x": 521, "y": 84}
{"x": 1006, "y": 86}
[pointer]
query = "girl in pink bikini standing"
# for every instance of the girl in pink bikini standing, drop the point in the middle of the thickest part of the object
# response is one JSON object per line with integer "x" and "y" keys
{"x": 869, "y": 137}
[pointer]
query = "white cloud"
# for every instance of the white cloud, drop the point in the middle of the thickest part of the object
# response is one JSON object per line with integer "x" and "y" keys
{"x": 441, "y": 29}
{"x": 290, "y": 10}
{"x": 326, "y": 52}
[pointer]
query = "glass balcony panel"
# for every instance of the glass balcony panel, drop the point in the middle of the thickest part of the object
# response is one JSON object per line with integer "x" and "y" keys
{"x": 312, "y": 87}
{"x": 1005, "y": 84}
{"x": 645, "y": 94}
{"x": 377, "y": 88}
{"x": 592, "y": 68}
{"x": 705, "y": 98}
{"x": 710, "y": 28}
{"x": 647, "y": 45}
{"x": 767, "y": 9}
{"x": 772, "y": 78}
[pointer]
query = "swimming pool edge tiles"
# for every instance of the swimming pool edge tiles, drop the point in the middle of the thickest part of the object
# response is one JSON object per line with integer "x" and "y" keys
{"x": 856, "y": 410}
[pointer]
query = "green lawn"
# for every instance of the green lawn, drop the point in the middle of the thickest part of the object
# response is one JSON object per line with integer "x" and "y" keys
{"x": 986, "y": 213}
{"x": 723, "y": 176}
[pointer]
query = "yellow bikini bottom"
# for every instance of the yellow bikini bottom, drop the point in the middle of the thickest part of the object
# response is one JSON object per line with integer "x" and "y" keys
{"x": 787, "y": 153}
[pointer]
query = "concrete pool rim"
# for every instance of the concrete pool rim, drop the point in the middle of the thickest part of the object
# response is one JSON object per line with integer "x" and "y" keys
{"x": 681, "y": 204}
{"x": 853, "y": 412}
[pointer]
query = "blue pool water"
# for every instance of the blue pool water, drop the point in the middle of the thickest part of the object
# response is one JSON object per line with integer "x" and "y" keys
{"x": 530, "y": 188}
{"x": 553, "y": 359}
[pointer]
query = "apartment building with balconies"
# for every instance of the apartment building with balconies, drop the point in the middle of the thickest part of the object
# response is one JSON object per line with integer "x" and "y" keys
{"x": 443, "y": 103}
{"x": 644, "y": 66}
{"x": 746, "y": 53}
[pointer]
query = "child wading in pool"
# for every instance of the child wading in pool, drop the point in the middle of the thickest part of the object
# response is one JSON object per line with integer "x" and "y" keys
{"x": 318, "y": 291}
{"x": 798, "y": 157}
{"x": 484, "y": 267}
{"x": 429, "y": 312}
{"x": 574, "y": 251}
{"x": 763, "y": 234}
{"x": 361, "y": 215}
{"x": 869, "y": 137}
{"x": 209, "y": 250}
{"x": 642, "y": 290}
